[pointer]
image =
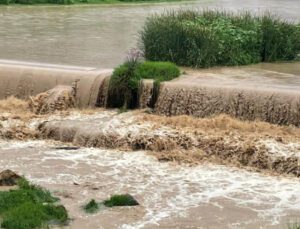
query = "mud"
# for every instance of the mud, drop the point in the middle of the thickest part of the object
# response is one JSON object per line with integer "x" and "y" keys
{"x": 128, "y": 131}
{"x": 243, "y": 93}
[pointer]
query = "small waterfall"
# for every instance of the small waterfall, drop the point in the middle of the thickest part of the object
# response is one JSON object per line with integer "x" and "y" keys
{"x": 274, "y": 106}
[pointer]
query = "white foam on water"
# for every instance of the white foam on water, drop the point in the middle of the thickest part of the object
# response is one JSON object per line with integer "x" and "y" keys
{"x": 11, "y": 145}
{"x": 164, "y": 190}
{"x": 276, "y": 148}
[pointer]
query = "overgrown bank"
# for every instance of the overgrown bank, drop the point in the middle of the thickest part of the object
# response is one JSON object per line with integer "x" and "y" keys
{"x": 70, "y": 2}
{"x": 29, "y": 207}
{"x": 126, "y": 79}
{"x": 212, "y": 38}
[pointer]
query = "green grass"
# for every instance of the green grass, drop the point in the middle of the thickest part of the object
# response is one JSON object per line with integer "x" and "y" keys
{"x": 124, "y": 84}
{"x": 116, "y": 200}
{"x": 77, "y": 2}
{"x": 294, "y": 225}
{"x": 120, "y": 200}
{"x": 91, "y": 207}
{"x": 29, "y": 207}
{"x": 213, "y": 38}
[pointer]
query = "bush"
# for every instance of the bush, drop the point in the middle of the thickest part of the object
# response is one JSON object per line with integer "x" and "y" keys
{"x": 123, "y": 89}
{"x": 4, "y": 2}
{"x": 120, "y": 200}
{"x": 295, "y": 225}
{"x": 91, "y": 207}
{"x": 29, "y": 207}
{"x": 159, "y": 71}
{"x": 211, "y": 38}
{"x": 30, "y": 2}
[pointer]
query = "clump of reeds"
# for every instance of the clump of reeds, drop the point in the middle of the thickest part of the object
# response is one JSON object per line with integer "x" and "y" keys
{"x": 219, "y": 38}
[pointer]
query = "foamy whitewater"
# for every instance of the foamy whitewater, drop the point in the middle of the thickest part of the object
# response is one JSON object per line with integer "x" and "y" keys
{"x": 163, "y": 190}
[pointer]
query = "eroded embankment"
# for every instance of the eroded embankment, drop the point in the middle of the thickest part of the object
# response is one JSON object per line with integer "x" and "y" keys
{"x": 278, "y": 107}
{"x": 279, "y": 152}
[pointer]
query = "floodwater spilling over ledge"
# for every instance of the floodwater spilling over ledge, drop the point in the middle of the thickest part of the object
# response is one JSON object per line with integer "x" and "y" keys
{"x": 22, "y": 79}
{"x": 250, "y": 93}
{"x": 217, "y": 172}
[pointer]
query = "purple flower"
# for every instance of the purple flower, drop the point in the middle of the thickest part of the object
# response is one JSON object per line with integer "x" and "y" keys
{"x": 134, "y": 55}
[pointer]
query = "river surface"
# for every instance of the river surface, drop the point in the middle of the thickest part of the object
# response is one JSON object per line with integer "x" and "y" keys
{"x": 98, "y": 35}
{"x": 170, "y": 196}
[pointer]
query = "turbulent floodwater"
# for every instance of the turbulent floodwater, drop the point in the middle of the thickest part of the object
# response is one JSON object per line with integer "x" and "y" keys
{"x": 98, "y": 36}
{"x": 170, "y": 196}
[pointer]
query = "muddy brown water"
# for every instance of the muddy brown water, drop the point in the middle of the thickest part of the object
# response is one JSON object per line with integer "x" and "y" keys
{"x": 170, "y": 196}
{"x": 98, "y": 35}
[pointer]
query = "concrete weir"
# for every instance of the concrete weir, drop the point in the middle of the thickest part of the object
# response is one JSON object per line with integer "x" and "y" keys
{"x": 266, "y": 92}
{"x": 23, "y": 79}
{"x": 249, "y": 93}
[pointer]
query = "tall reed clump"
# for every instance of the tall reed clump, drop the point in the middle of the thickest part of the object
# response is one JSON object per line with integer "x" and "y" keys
{"x": 31, "y": 2}
{"x": 213, "y": 38}
{"x": 124, "y": 83}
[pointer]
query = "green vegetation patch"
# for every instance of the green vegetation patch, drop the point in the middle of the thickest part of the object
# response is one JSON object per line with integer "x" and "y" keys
{"x": 124, "y": 84}
{"x": 31, "y": 2}
{"x": 120, "y": 200}
{"x": 29, "y": 207}
{"x": 295, "y": 225}
{"x": 69, "y": 2}
{"x": 212, "y": 38}
{"x": 116, "y": 200}
{"x": 91, "y": 207}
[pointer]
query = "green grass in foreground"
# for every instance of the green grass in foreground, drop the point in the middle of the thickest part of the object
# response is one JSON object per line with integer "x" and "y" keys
{"x": 29, "y": 207}
{"x": 219, "y": 38}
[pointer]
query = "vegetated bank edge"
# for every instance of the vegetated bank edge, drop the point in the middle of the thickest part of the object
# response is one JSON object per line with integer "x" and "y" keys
{"x": 125, "y": 81}
{"x": 29, "y": 207}
{"x": 80, "y": 2}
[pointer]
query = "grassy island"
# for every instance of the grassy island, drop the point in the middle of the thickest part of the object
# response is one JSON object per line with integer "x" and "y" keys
{"x": 213, "y": 38}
